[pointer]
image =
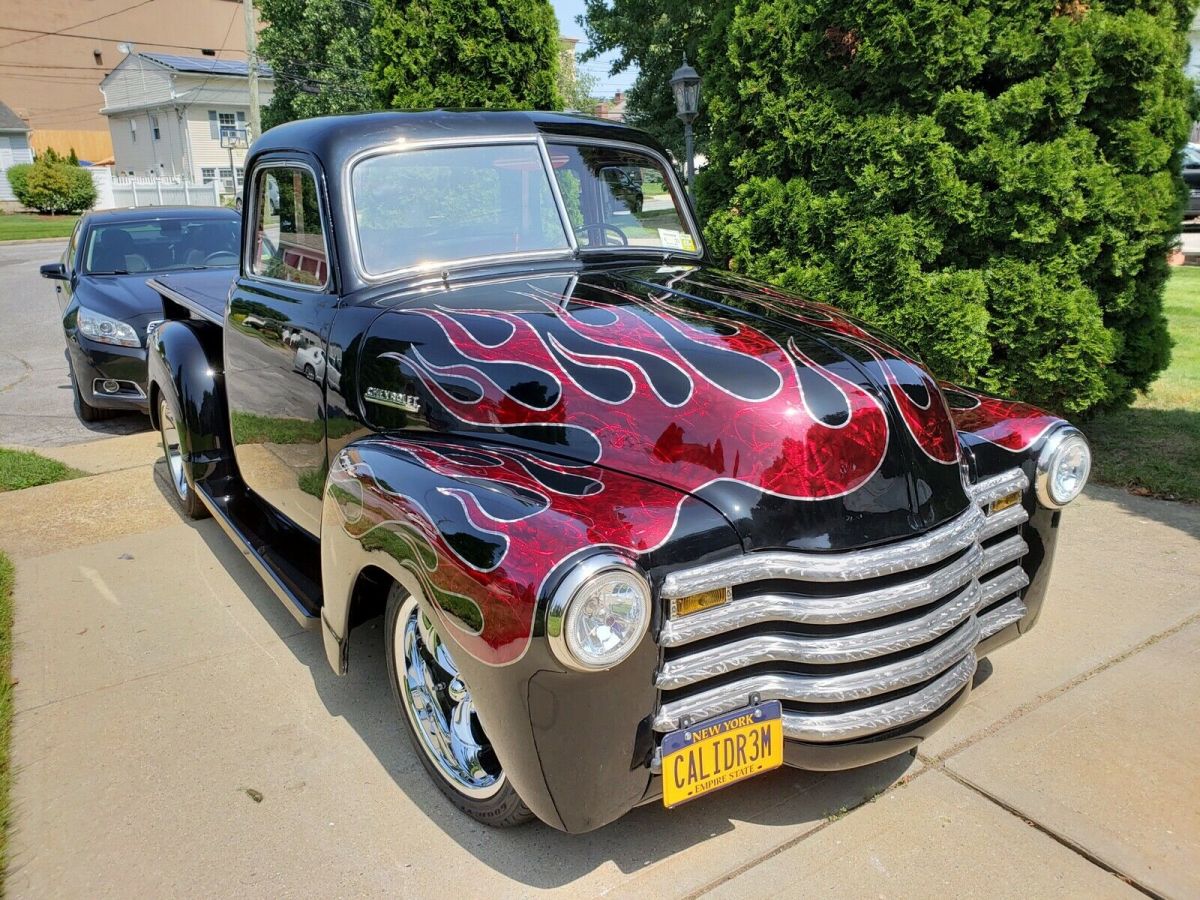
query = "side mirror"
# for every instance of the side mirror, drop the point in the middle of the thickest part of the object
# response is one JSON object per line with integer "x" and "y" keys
{"x": 56, "y": 271}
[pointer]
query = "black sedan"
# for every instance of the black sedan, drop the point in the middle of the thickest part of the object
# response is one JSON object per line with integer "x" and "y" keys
{"x": 1191, "y": 176}
{"x": 106, "y": 306}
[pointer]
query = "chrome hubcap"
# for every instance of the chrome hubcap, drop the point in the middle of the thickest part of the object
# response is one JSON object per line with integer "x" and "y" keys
{"x": 171, "y": 449}
{"x": 438, "y": 704}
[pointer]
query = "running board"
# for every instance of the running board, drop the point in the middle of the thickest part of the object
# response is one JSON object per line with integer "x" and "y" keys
{"x": 281, "y": 553}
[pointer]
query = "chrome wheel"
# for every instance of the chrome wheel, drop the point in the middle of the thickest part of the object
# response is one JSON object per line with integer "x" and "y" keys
{"x": 171, "y": 449}
{"x": 439, "y": 707}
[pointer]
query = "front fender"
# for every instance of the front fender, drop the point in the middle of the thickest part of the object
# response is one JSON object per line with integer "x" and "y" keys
{"x": 481, "y": 535}
{"x": 998, "y": 435}
{"x": 184, "y": 361}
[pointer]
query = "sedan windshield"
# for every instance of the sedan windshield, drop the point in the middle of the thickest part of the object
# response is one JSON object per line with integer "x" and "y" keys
{"x": 161, "y": 245}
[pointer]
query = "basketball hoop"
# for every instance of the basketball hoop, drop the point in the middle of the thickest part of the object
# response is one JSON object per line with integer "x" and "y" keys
{"x": 234, "y": 139}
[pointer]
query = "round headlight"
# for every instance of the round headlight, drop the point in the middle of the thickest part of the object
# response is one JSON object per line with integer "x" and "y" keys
{"x": 599, "y": 614}
{"x": 1063, "y": 467}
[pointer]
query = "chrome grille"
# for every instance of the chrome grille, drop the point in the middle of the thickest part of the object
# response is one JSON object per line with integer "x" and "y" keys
{"x": 854, "y": 644}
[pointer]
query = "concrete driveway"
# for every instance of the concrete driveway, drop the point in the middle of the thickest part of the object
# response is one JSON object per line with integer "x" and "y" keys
{"x": 176, "y": 734}
{"x": 35, "y": 391}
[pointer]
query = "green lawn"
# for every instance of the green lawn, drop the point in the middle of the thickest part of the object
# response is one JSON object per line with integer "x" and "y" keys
{"x": 26, "y": 226}
{"x": 20, "y": 469}
{"x": 1153, "y": 448}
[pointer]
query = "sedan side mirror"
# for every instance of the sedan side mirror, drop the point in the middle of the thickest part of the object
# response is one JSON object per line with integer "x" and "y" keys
{"x": 56, "y": 271}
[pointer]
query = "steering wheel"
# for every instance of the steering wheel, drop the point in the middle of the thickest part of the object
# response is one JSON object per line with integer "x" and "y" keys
{"x": 602, "y": 227}
{"x": 221, "y": 257}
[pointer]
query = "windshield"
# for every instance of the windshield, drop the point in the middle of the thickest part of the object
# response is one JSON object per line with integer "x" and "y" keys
{"x": 161, "y": 245}
{"x": 418, "y": 208}
{"x": 619, "y": 198}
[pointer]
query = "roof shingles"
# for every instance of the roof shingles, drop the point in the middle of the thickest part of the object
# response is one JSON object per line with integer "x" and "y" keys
{"x": 10, "y": 121}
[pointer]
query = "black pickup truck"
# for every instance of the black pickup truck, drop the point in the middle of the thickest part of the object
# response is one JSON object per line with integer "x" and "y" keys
{"x": 638, "y": 528}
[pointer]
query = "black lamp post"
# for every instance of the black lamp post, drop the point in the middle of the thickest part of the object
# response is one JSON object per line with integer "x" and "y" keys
{"x": 685, "y": 84}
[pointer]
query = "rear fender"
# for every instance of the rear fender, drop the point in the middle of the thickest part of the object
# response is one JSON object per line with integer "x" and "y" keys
{"x": 185, "y": 363}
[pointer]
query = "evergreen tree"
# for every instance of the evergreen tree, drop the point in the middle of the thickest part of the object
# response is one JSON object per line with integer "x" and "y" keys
{"x": 996, "y": 181}
{"x": 320, "y": 53}
{"x": 653, "y": 35}
{"x": 487, "y": 54}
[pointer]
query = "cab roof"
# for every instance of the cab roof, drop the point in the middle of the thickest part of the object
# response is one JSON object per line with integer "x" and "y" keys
{"x": 333, "y": 139}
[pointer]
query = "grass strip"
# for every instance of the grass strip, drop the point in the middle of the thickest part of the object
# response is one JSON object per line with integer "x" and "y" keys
{"x": 21, "y": 469}
{"x": 1153, "y": 448}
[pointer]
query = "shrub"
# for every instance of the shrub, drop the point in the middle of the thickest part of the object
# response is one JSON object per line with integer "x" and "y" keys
{"x": 486, "y": 54}
{"x": 18, "y": 178}
{"x": 995, "y": 182}
{"x": 51, "y": 185}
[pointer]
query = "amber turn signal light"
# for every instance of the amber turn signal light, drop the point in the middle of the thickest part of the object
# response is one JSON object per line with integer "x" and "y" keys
{"x": 1005, "y": 502}
{"x": 694, "y": 603}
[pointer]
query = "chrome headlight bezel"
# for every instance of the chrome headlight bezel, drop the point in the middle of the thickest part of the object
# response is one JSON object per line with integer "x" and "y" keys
{"x": 91, "y": 324}
{"x": 1051, "y": 456}
{"x": 571, "y": 593}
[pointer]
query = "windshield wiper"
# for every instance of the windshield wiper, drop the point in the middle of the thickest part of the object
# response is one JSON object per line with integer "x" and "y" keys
{"x": 113, "y": 272}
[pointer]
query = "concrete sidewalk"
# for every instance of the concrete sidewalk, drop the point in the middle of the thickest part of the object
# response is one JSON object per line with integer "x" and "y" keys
{"x": 160, "y": 682}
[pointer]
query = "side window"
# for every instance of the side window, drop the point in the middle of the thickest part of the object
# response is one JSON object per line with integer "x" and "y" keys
{"x": 73, "y": 246}
{"x": 289, "y": 242}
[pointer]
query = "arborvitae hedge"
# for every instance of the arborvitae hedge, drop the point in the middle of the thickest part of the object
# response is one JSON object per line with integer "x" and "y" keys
{"x": 994, "y": 182}
{"x": 486, "y": 54}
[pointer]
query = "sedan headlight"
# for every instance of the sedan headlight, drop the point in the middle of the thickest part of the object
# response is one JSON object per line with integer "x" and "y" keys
{"x": 105, "y": 330}
{"x": 1063, "y": 467}
{"x": 599, "y": 614}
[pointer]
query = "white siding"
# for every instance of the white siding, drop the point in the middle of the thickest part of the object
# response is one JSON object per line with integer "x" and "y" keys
{"x": 14, "y": 149}
{"x": 219, "y": 90}
{"x": 131, "y": 155}
{"x": 184, "y": 104}
{"x": 136, "y": 82}
{"x": 165, "y": 156}
{"x": 207, "y": 150}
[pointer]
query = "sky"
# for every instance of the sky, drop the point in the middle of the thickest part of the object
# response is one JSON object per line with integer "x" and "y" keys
{"x": 567, "y": 11}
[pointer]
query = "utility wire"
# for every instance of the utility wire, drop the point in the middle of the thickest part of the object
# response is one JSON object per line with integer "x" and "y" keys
{"x": 98, "y": 37}
{"x": 98, "y": 69}
{"x": 71, "y": 27}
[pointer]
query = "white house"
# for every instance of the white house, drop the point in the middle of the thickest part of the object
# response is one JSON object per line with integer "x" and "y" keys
{"x": 167, "y": 113}
{"x": 14, "y": 149}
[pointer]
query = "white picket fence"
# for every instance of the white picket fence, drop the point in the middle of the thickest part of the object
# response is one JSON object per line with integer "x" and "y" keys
{"x": 119, "y": 191}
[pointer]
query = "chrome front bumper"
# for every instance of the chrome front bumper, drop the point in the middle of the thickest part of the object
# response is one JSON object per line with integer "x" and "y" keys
{"x": 856, "y": 645}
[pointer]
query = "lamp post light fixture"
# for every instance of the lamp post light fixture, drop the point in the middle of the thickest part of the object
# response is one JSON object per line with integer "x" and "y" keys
{"x": 685, "y": 84}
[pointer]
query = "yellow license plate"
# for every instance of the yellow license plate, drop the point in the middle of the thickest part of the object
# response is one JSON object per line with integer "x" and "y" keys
{"x": 721, "y": 751}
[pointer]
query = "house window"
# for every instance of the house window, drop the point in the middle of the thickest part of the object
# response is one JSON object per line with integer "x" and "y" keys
{"x": 154, "y": 127}
{"x": 208, "y": 175}
{"x": 227, "y": 120}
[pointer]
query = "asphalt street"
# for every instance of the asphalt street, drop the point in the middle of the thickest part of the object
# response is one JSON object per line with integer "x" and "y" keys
{"x": 35, "y": 391}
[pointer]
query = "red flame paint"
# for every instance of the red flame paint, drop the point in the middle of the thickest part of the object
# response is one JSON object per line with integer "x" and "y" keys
{"x": 774, "y": 444}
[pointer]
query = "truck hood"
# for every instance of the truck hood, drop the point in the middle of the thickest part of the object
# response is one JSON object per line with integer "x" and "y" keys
{"x": 803, "y": 427}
